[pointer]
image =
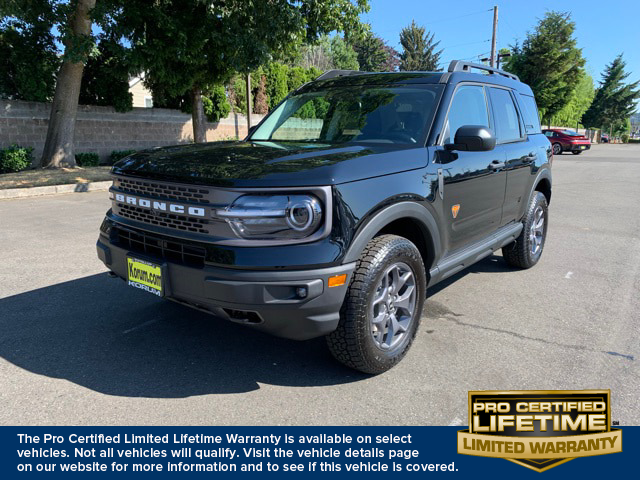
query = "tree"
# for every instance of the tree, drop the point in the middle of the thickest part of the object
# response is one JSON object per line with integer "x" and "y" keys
{"x": 614, "y": 101}
{"x": 418, "y": 49}
{"x": 105, "y": 79}
{"x": 371, "y": 54}
{"x": 277, "y": 88}
{"x": 392, "y": 63}
{"x": 59, "y": 148}
{"x": 29, "y": 58}
{"x": 550, "y": 62}
{"x": 343, "y": 56}
{"x": 579, "y": 102}
{"x": 189, "y": 45}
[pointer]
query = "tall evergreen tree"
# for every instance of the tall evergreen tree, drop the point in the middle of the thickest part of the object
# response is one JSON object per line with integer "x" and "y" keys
{"x": 614, "y": 101}
{"x": 550, "y": 62}
{"x": 371, "y": 52}
{"x": 418, "y": 49}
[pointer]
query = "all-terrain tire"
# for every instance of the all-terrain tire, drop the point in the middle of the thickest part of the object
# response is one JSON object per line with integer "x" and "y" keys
{"x": 358, "y": 342}
{"x": 526, "y": 250}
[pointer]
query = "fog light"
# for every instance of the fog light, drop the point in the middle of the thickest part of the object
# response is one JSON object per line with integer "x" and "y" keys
{"x": 301, "y": 292}
{"x": 337, "y": 280}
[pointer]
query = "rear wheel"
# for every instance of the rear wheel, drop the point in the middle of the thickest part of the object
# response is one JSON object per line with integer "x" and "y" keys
{"x": 527, "y": 249}
{"x": 557, "y": 149}
{"x": 381, "y": 312}
{"x": 576, "y": 152}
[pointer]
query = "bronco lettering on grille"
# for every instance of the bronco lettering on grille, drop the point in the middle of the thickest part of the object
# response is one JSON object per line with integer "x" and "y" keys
{"x": 160, "y": 206}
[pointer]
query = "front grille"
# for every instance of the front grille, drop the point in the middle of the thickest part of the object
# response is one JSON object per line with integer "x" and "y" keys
{"x": 157, "y": 247}
{"x": 163, "y": 219}
{"x": 162, "y": 190}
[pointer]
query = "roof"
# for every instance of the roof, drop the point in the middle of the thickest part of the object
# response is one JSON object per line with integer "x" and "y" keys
{"x": 458, "y": 71}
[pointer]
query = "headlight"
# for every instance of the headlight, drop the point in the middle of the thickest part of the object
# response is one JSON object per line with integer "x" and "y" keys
{"x": 272, "y": 217}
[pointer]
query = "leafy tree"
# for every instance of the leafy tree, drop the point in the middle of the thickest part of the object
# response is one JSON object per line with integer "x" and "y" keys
{"x": 105, "y": 78}
{"x": 418, "y": 49}
{"x": 550, "y": 62}
{"x": 29, "y": 59}
{"x": 277, "y": 88}
{"x": 580, "y": 100}
{"x": 392, "y": 63}
{"x": 72, "y": 21}
{"x": 371, "y": 53}
{"x": 189, "y": 45}
{"x": 216, "y": 105}
{"x": 343, "y": 56}
{"x": 614, "y": 101}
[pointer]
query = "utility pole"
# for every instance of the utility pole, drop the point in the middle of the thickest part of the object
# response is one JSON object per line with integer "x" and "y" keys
{"x": 248, "y": 102}
{"x": 494, "y": 37}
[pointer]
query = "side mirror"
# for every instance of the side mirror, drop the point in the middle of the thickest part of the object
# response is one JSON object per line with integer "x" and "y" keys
{"x": 473, "y": 138}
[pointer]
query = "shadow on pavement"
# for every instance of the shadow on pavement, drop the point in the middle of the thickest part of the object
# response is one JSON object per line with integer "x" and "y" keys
{"x": 103, "y": 335}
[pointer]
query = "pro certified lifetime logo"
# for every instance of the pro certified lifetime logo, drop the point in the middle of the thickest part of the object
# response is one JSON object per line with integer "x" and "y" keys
{"x": 539, "y": 429}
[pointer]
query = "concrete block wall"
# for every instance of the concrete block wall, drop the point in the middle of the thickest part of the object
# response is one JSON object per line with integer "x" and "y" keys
{"x": 102, "y": 129}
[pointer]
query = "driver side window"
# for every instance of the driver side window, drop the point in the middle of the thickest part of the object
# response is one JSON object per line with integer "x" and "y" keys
{"x": 468, "y": 107}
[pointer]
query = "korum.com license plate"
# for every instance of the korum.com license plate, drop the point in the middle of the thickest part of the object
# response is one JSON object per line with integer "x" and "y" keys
{"x": 145, "y": 275}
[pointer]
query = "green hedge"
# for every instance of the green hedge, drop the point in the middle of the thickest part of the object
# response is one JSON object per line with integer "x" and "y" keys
{"x": 87, "y": 159}
{"x": 15, "y": 158}
{"x": 117, "y": 155}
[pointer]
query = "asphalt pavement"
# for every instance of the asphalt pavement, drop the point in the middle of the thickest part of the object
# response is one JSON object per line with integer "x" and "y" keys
{"x": 80, "y": 348}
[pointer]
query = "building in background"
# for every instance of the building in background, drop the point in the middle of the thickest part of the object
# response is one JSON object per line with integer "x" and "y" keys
{"x": 142, "y": 97}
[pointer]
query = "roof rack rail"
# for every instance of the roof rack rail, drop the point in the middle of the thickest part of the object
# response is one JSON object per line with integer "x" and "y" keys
{"x": 338, "y": 73}
{"x": 462, "y": 66}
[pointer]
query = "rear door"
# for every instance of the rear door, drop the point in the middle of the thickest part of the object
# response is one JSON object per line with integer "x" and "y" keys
{"x": 473, "y": 182}
{"x": 520, "y": 153}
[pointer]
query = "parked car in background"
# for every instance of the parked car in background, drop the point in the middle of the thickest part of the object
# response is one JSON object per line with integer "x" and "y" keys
{"x": 604, "y": 138}
{"x": 567, "y": 141}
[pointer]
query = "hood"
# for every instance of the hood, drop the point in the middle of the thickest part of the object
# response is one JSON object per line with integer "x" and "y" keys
{"x": 270, "y": 164}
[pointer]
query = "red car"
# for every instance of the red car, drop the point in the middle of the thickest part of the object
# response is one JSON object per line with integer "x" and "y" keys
{"x": 567, "y": 141}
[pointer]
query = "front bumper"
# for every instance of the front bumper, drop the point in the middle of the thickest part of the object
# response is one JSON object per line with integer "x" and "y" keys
{"x": 265, "y": 300}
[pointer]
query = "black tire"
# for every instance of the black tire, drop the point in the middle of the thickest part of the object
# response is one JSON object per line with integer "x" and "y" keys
{"x": 557, "y": 149}
{"x": 520, "y": 253}
{"x": 576, "y": 152}
{"x": 357, "y": 342}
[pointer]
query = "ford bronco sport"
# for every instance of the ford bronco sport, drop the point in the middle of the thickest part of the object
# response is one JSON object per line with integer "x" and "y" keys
{"x": 335, "y": 214}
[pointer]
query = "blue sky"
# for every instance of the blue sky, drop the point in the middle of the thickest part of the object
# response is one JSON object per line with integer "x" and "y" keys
{"x": 603, "y": 28}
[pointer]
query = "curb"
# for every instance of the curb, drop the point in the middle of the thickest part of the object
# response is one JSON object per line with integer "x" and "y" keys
{"x": 54, "y": 189}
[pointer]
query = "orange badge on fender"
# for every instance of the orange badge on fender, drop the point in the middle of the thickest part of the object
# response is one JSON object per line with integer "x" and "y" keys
{"x": 454, "y": 210}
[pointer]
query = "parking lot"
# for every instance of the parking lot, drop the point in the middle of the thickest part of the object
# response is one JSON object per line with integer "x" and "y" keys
{"x": 78, "y": 347}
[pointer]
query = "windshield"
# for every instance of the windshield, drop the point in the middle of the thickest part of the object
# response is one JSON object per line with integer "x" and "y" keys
{"x": 353, "y": 114}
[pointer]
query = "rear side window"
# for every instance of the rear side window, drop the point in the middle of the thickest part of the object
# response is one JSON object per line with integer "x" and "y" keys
{"x": 468, "y": 107}
{"x": 506, "y": 115}
{"x": 529, "y": 113}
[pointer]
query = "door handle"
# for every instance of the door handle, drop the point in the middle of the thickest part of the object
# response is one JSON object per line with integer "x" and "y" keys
{"x": 496, "y": 165}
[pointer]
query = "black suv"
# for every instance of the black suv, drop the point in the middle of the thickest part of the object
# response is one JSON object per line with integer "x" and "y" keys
{"x": 340, "y": 208}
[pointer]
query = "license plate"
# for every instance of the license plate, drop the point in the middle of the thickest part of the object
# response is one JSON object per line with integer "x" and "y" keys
{"x": 145, "y": 275}
{"x": 583, "y": 147}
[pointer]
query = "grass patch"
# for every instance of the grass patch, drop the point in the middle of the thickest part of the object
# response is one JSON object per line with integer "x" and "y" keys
{"x": 57, "y": 176}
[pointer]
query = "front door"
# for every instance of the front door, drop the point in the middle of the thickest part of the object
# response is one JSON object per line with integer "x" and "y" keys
{"x": 473, "y": 182}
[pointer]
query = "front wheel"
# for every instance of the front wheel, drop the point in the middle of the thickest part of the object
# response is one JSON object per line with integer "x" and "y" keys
{"x": 527, "y": 248}
{"x": 557, "y": 149}
{"x": 382, "y": 309}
